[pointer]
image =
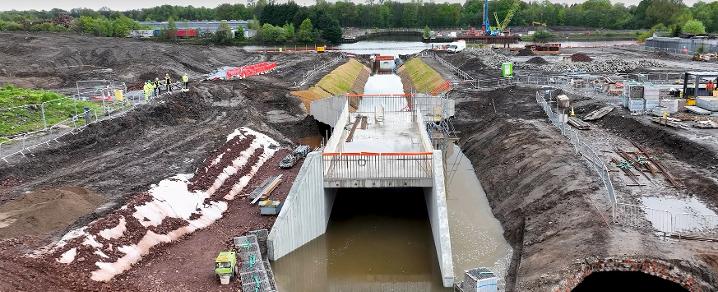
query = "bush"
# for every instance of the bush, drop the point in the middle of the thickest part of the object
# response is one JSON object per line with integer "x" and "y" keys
{"x": 694, "y": 27}
{"x": 9, "y": 26}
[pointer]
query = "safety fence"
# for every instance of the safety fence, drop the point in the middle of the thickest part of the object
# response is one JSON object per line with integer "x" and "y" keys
{"x": 25, "y": 143}
{"x": 319, "y": 68}
{"x": 99, "y": 90}
{"x": 377, "y": 166}
{"x": 480, "y": 84}
{"x": 665, "y": 222}
{"x": 579, "y": 146}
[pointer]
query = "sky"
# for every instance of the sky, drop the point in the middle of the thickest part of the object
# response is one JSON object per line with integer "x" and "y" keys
{"x": 135, "y": 4}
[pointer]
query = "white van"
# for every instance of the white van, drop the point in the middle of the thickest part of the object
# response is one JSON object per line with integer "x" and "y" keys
{"x": 456, "y": 46}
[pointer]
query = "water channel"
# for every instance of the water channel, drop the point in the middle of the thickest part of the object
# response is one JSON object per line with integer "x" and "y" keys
{"x": 381, "y": 240}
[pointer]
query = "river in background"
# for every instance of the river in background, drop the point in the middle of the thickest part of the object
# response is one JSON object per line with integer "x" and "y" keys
{"x": 403, "y": 45}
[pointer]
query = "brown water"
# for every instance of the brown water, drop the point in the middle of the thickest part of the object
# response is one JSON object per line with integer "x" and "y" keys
{"x": 476, "y": 235}
{"x": 377, "y": 240}
{"x": 313, "y": 141}
{"x": 380, "y": 240}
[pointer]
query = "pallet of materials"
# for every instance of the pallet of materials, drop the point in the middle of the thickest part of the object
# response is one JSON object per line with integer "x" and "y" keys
{"x": 266, "y": 188}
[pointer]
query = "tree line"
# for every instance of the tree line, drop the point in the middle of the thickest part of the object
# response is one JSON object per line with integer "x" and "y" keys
{"x": 327, "y": 18}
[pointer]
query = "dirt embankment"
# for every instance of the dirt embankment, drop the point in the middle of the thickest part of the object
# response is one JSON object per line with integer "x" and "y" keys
{"x": 119, "y": 158}
{"x": 538, "y": 187}
{"x": 58, "y": 60}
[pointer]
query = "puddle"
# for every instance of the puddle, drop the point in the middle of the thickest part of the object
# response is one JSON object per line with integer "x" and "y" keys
{"x": 679, "y": 214}
{"x": 477, "y": 238}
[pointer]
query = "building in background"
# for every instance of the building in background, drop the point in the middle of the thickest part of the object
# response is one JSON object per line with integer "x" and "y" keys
{"x": 203, "y": 26}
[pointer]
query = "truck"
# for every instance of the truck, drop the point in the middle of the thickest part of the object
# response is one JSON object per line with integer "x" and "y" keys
{"x": 225, "y": 266}
{"x": 456, "y": 46}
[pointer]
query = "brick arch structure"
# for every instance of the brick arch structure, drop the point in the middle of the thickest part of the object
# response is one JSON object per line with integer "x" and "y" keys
{"x": 654, "y": 267}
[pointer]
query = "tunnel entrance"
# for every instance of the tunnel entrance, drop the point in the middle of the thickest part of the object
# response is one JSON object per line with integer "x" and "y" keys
{"x": 376, "y": 240}
{"x": 625, "y": 281}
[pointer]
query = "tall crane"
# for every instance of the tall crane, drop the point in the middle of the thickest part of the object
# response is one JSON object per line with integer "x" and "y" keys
{"x": 502, "y": 25}
{"x": 486, "y": 24}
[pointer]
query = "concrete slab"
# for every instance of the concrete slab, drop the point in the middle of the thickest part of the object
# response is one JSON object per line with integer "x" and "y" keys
{"x": 396, "y": 133}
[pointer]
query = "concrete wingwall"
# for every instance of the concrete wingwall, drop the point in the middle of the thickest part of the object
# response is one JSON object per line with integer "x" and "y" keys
{"x": 341, "y": 122}
{"x": 305, "y": 213}
{"x": 439, "y": 219}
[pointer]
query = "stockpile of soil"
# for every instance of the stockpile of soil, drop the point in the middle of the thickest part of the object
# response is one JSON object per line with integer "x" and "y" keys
{"x": 45, "y": 211}
{"x": 580, "y": 57}
{"x": 525, "y": 52}
{"x": 537, "y": 61}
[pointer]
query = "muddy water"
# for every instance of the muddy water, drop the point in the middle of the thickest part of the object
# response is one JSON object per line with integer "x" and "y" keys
{"x": 377, "y": 240}
{"x": 476, "y": 236}
{"x": 313, "y": 141}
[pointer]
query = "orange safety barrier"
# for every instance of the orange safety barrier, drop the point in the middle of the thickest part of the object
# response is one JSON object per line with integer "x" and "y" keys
{"x": 250, "y": 70}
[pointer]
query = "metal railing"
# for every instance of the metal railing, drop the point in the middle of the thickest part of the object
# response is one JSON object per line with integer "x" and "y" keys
{"x": 31, "y": 141}
{"x": 665, "y": 222}
{"x": 309, "y": 74}
{"x": 377, "y": 166}
{"x": 579, "y": 146}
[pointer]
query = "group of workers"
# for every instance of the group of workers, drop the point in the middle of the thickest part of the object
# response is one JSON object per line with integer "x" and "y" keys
{"x": 154, "y": 88}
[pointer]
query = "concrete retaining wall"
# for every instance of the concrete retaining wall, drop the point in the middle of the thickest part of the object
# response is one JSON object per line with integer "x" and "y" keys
{"x": 306, "y": 210}
{"x": 341, "y": 122}
{"x": 328, "y": 110}
{"x": 439, "y": 219}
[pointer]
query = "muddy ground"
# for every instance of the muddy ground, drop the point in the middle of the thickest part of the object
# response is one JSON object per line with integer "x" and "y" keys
{"x": 116, "y": 159}
{"x": 551, "y": 203}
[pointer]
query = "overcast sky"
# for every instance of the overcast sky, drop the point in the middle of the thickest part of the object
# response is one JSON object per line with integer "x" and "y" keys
{"x": 133, "y": 4}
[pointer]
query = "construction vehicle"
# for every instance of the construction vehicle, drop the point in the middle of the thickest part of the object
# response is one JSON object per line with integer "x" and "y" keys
{"x": 320, "y": 49}
{"x": 536, "y": 23}
{"x": 225, "y": 266}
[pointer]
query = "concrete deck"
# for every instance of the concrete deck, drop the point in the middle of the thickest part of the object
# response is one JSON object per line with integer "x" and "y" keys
{"x": 397, "y": 133}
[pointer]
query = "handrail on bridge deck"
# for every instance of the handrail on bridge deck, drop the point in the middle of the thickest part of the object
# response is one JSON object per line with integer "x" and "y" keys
{"x": 377, "y": 165}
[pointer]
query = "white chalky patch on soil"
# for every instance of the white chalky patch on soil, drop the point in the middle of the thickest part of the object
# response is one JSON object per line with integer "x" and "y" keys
{"x": 171, "y": 199}
{"x": 68, "y": 256}
{"x": 133, "y": 253}
{"x": 115, "y": 232}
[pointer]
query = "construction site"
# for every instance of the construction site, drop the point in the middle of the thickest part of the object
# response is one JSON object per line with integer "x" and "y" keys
{"x": 471, "y": 169}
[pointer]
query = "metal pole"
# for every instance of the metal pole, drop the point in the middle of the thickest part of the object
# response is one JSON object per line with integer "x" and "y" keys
{"x": 44, "y": 120}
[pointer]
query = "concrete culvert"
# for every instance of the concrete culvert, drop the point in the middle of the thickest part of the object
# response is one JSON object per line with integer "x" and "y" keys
{"x": 625, "y": 281}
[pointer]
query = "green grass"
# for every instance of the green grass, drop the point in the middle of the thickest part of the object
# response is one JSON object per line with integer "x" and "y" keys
{"x": 424, "y": 78}
{"x": 26, "y": 116}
